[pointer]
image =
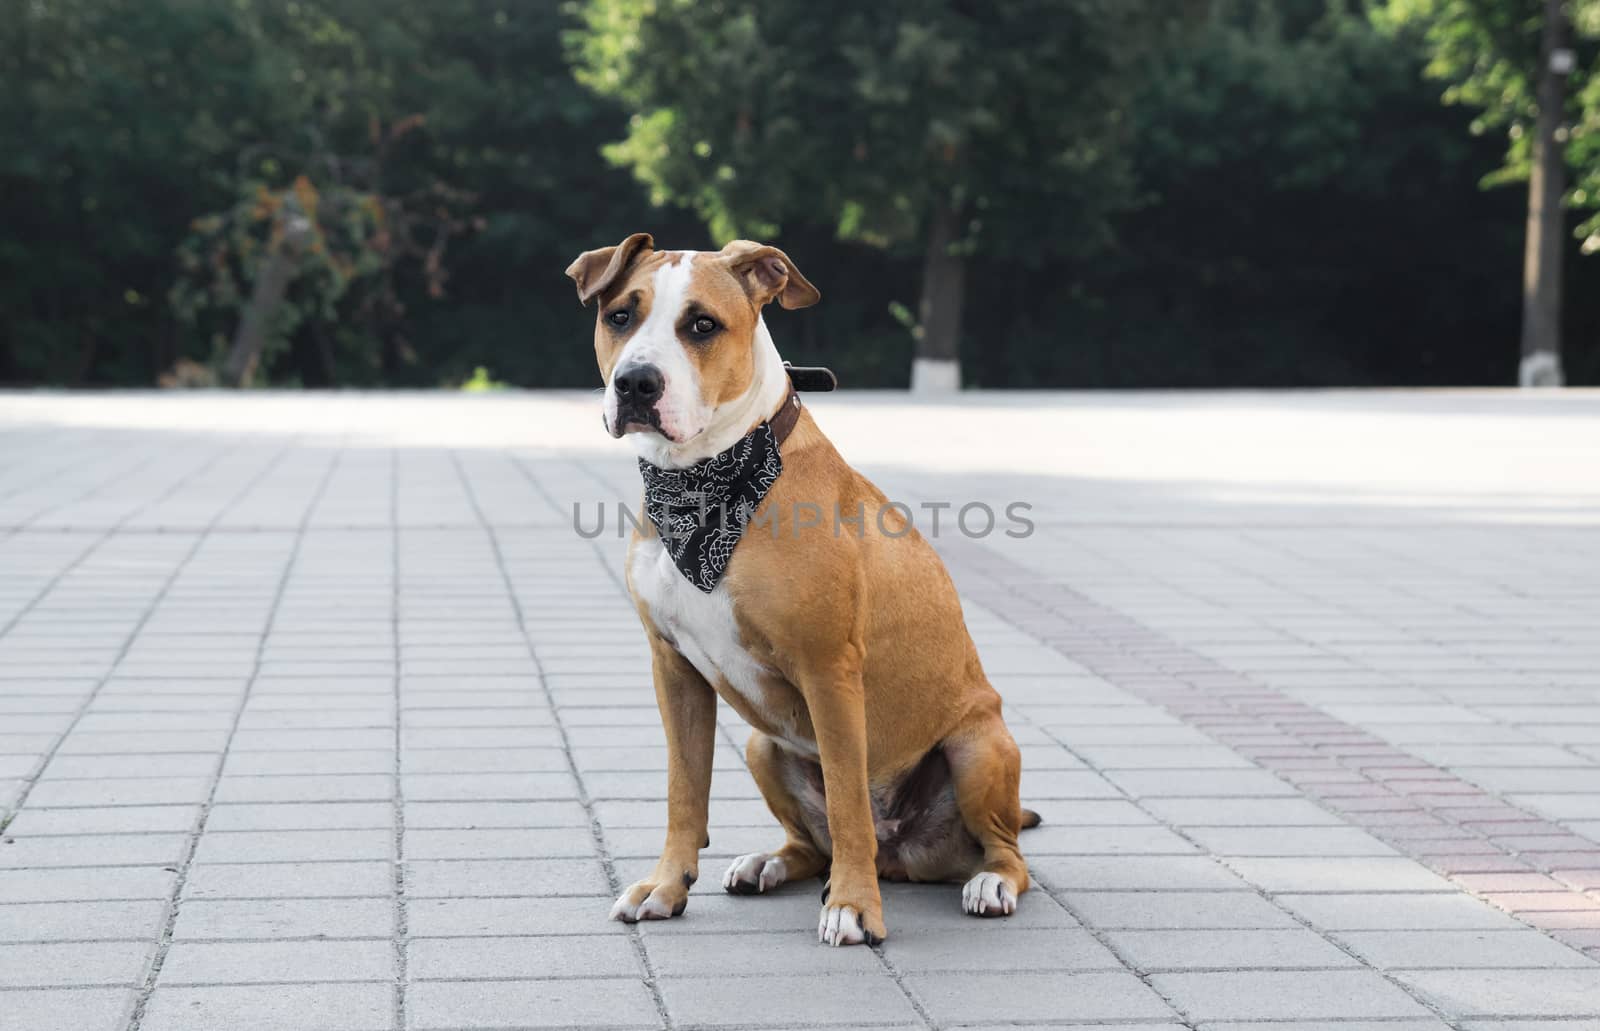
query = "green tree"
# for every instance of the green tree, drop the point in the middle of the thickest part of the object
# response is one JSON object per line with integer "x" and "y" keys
{"x": 1308, "y": 215}
{"x": 119, "y": 121}
{"x": 945, "y": 126}
{"x": 1519, "y": 63}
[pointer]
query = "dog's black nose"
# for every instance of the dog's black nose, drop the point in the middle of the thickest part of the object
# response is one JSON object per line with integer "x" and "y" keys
{"x": 639, "y": 384}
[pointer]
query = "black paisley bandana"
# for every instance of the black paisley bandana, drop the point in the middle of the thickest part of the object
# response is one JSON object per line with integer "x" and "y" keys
{"x": 700, "y": 512}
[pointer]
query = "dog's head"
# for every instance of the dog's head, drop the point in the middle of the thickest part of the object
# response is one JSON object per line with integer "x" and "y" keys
{"x": 677, "y": 332}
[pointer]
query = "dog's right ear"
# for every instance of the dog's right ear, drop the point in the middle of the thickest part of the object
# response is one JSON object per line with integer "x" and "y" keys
{"x": 594, "y": 271}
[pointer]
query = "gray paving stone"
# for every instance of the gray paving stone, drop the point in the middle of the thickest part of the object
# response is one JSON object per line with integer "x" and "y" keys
{"x": 1222, "y": 950}
{"x": 1320, "y": 842}
{"x": 330, "y": 1007}
{"x": 1509, "y": 993}
{"x": 848, "y": 1000}
{"x": 1341, "y": 874}
{"x": 19, "y": 852}
{"x": 81, "y": 921}
{"x": 1154, "y": 910}
{"x": 509, "y": 877}
{"x": 73, "y": 885}
{"x": 309, "y": 761}
{"x": 284, "y": 918}
{"x": 1275, "y": 995}
{"x": 1241, "y": 812}
{"x": 77, "y": 1009}
{"x": 744, "y": 955}
{"x": 142, "y": 791}
{"x": 1074, "y": 1027}
{"x": 471, "y": 787}
{"x": 482, "y": 815}
{"x": 1328, "y": 1025}
{"x": 1199, "y": 783}
{"x": 288, "y": 880}
{"x": 284, "y": 846}
{"x": 501, "y": 843}
{"x": 1436, "y": 912}
{"x": 1060, "y": 949}
{"x": 122, "y": 820}
{"x": 303, "y": 816}
{"x": 1461, "y": 949}
{"x": 76, "y": 963}
{"x": 445, "y": 959}
{"x": 458, "y": 917}
{"x": 990, "y": 997}
{"x": 291, "y": 788}
{"x": 1083, "y": 841}
{"x": 530, "y": 1004}
{"x": 1134, "y": 873}
{"x": 189, "y": 963}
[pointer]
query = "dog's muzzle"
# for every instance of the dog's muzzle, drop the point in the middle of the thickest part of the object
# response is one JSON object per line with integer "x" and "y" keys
{"x": 638, "y": 389}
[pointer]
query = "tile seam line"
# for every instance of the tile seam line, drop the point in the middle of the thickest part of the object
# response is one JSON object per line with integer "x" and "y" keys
{"x": 651, "y": 981}
{"x": 163, "y": 942}
{"x": 402, "y": 922}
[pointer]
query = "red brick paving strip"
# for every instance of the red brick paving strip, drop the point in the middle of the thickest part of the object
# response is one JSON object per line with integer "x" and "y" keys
{"x": 1520, "y": 862}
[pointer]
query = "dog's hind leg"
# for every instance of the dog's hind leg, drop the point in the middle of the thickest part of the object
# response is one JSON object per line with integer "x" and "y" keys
{"x": 987, "y": 770}
{"x": 783, "y": 784}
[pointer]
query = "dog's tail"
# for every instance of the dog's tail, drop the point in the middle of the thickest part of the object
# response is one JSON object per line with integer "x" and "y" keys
{"x": 1030, "y": 819}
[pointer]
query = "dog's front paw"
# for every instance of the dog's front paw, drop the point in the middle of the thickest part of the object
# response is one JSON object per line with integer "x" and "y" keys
{"x": 754, "y": 873}
{"x": 989, "y": 894}
{"x": 846, "y": 925}
{"x": 648, "y": 900}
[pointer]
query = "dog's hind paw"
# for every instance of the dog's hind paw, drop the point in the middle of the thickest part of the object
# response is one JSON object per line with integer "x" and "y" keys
{"x": 753, "y": 874}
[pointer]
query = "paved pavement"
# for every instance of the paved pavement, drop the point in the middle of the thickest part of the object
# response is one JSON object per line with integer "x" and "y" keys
{"x": 317, "y": 713}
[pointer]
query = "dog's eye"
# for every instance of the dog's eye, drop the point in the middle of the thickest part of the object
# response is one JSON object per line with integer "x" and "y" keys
{"x": 618, "y": 318}
{"x": 703, "y": 326}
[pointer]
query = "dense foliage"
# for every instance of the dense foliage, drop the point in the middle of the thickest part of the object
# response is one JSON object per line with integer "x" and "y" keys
{"x": 1239, "y": 192}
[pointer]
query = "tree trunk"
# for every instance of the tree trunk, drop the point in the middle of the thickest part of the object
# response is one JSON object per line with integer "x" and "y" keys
{"x": 937, "y": 369}
{"x": 272, "y": 283}
{"x": 10, "y": 370}
{"x": 1541, "y": 269}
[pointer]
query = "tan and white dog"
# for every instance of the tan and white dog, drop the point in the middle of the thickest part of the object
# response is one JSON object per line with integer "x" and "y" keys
{"x": 878, "y": 742}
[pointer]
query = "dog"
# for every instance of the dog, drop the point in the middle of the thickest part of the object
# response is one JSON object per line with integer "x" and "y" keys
{"x": 877, "y": 741}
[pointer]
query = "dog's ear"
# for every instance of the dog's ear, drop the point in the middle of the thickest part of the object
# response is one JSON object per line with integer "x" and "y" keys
{"x": 767, "y": 273}
{"x": 594, "y": 271}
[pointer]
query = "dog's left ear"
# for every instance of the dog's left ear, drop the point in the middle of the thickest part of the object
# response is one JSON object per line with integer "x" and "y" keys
{"x": 595, "y": 270}
{"x": 767, "y": 273}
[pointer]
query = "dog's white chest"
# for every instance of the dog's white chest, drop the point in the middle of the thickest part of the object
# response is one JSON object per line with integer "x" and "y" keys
{"x": 701, "y": 624}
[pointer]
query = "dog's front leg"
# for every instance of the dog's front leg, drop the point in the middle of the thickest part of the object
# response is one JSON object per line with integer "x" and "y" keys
{"x": 689, "y": 714}
{"x": 852, "y": 912}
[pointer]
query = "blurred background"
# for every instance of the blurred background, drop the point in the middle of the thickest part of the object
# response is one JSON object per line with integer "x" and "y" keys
{"x": 1060, "y": 193}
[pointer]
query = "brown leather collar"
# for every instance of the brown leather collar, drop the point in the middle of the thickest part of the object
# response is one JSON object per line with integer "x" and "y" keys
{"x": 783, "y": 420}
{"x": 801, "y": 377}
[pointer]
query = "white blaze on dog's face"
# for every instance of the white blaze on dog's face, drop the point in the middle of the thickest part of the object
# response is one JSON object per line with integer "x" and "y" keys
{"x": 681, "y": 344}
